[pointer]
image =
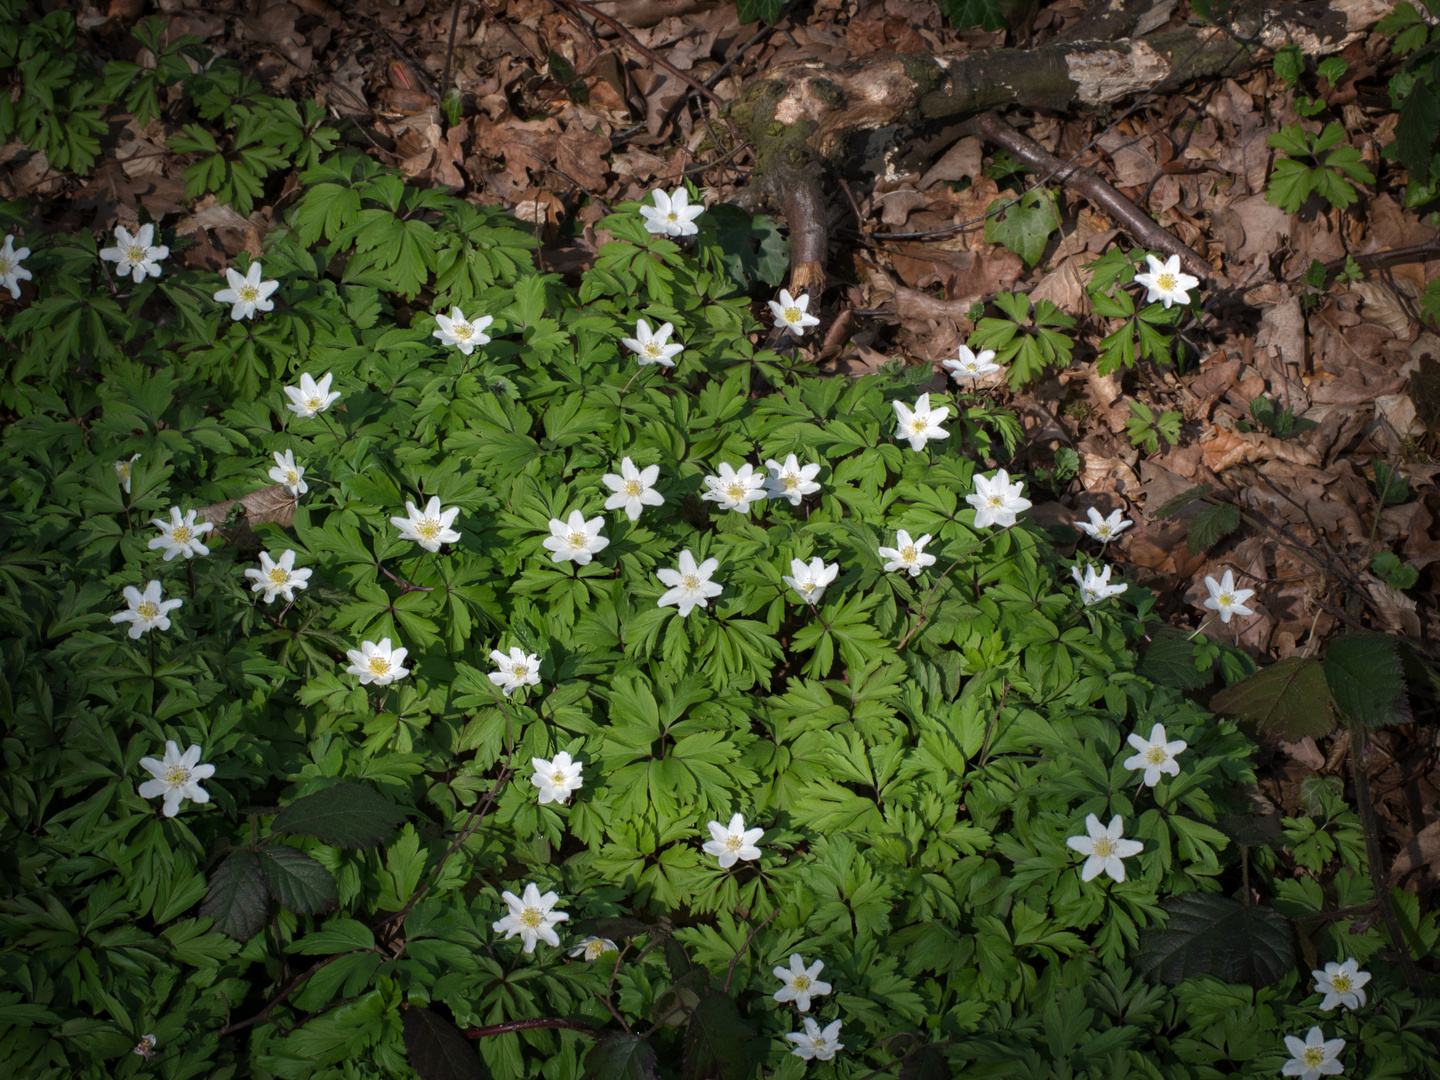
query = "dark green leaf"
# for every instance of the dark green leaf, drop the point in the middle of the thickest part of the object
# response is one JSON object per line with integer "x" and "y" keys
{"x": 1252, "y": 830}
{"x": 1364, "y": 674}
{"x": 237, "y": 899}
{"x": 619, "y": 1056}
{"x": 1170, "y": 661}
{"x": 927, "y": 1063}
{"x": 1210, "y": 934}
{"x": 1172, "y": 506}
{"x": 715, "y": 1041}
{"x": 1289, "y": 699}
{"x": 348, "y": 814}
{"x": 1415, "y": 131}
{"x": 437, "y": 1050}
{"x": 297, "y": 880}
{"x": 1210, "y": 526}
{"x": 965, "y": 14}
{"x": 1025, "y": 226}
{"x": 749, "y": 11}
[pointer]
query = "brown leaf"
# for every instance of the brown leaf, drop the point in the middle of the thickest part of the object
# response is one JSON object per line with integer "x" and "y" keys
{"x": 272, "y": 505}
{"x": 1422, "y": 850}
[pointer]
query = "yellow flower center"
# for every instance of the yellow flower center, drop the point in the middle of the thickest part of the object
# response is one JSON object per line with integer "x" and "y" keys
{"x": 1225, "y": 600}
{"x": 176, "y": 775}
{"x": 147, "y": 610}
{"x": 315, "y": 403}
{"x": 1103, "y": 531}
{"x": 818, "y": 1042}
{"x": 1340, "y": 983}
{"x": 557, "y": 778}
{"x": 135, "y": 253}
{"x": 520, "y": 671}
{"x": 793, "y": 314}
{"x": 633, "y": 488}
{"x": 807, "y": 587}
{"x": 1155, "y": 755}
{"x": 997, "y": 501}
{"x": 577, "y": 540}
{"x": 279, "y": 576}
{"x": 429, "y": 528}
{"x": 6, "y": 268}
{"x": 1313, "y": 1056}
{"x": 292, "y": 477}
{"x": 919, "y": 424}
{"x": 181, "y": 535}
{"x": 690, "y": 581}
{"x": 1104, "y": 847}
{"x": 791, "y": 481}
{"x": 595, "y": 949}
{"x": 1166, "y": 282}
{"x": 652, "y": 348}
{"x": 801, "y": 982}
{"x": 532, "y": 917}
{"x": 907, "y": 554}
{"x": 123, "y": 468}
{"x": 248, "y": 294}
{"x": 736, "y": 492}
{"x": 672, "y": 216}
{"x": 378, "y": 665}
{"x": 734, "y": 843}
{"x": 462, "y": 331}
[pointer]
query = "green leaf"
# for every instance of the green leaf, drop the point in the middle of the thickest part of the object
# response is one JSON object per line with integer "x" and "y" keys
{"x": 1364, "y": 674}
{"x": 1170, "y": 661}
{"x": 297, "y": 880}
{"x": 749, "y": 11}
{"x": 1211, "y": 525}
{"x": 620, "y": 1056}
{"x": 1416, "y": 128}
{"x": 1290, "y": 699}
{"x": 436, "y": 1049}
{"x": 927, "y": 1063}
{"x": 1289, "y": 64}
{"x": 336, "y": 936}
{"x": 1392, "y": 488}
{"x": 348, "y": 814}
{"x": 1025, "y": 226}
{"x": 238, "y": 901}
{"x": 715, "y": 1040}
{"x": 965, "y": 14}
{"x": 1210, "y": 934}
{"x": 1173, "y": 505}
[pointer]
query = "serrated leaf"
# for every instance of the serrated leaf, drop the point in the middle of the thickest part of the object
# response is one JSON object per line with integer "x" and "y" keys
{"x": 1173, "y": 505}
{"x": 1210, "y": 934}
{"x": 437, "y": 1050}
{"x": 1170, "y": 661}
{"x": 297, "y": 880}
{"x": 1025, "y": 226}
{"x": 715, "y": 1040}
{"x": 1416, "y": 127}
{"x": 1252, "y": 830}
{"x": 347, "y": 814}
{"x": 1210, "y": 526}
{"x": 748, "y": 11}
{"x": 1289, "y": 699}
{"x": 238, "y": 900}
{"x": 619, "y": 1056}
{"x": 1364, "y": 675}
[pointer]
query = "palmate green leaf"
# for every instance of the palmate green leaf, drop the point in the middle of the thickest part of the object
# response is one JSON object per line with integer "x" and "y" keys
{"x": 1210, "y": 934}
{"x": 347, "y": 814}
{"x": 621, "y": 1056}
{"x": 716, "y": 1040}
{"x": 238, "y": 900}
{"x": 1364, "y": 674}
{"x": 436, "y": 1049}
{"x": 1289, "y": 699}
{"x": 297, "y": 881}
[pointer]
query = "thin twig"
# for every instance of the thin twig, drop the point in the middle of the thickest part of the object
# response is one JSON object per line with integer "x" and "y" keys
{"x": 450, "y": 51}
{"x": 745, "y": 948}
{"x": 510, "y": 1026}
{"x": 264, "y": 1014}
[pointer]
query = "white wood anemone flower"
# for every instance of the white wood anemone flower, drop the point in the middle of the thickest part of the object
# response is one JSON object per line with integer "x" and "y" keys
{"x": 970, "y": 366}
{"x": 125, "y": 471}
{"x": 1104, "y": 529}
{"x": 800, "y": 983}
{"x": 733, "y": 842}
{"x": 1105, "y": 847}
{"x": 1225, "y": 598}
{"x": 516, "y": 670}
{"x": 247, "y": 293}
{"x": 634, "y": 489}
{"x": 556, "y": 778}
{"x": 653, "y": 348}
{"x": 278, "y": 577}
{"x": 810, "y": 582}
{"x": 1165, "y": 282}
{"x": 135, "y": 254}
{"x": 575, "y": 539}
{"x": 145, "y": 1048}
{"x": 997, "y": 500}
{"x": 531, "y": 917}
{"x": 816, "y": 1043}
{"x": 180, "y": 535}
{"x": 689, "y": 585}
{"x": 311, "y": 398}
{"x": 431, "y": 528}
{"x": 377, "y": 663}
{"x": 592, "y": 948}
{"x": 176, "y": 777}
{"x": 11, "y": 272}
{"x": 920, "y": 424}
{"x": 289, "y": 475}
{"x": 791, "y": 480}
{"x": 147, "y": 610}
{"x": 672, "y": 215}
{"x": 1341, "y": 984}
{"x": 465, "y": 334}
{"x": 1313, "y": 1058}
{"x": 907, "y": 554}
{"x": 1156, "y": 755}
{"x": 735, "y": 490}
{"x": 792, "y": 312}
{"x": 1096, "y": 587}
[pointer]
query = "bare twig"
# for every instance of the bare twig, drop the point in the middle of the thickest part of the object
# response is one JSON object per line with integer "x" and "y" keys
{"x": 745, "y": 948}
{"x": 510, "y": 1026}
{"x": 264, "y": 1014}
{"x": 450, "y": 50}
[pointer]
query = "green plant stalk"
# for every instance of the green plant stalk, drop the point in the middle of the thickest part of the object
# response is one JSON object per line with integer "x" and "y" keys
{"x": 1378, "y": 880}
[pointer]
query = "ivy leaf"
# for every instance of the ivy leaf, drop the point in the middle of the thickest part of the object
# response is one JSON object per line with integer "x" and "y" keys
{"x": 715, "y": 1040}
{"x": 619, "y": 1056}
{"x": 1170, "y": 661}
{"x": 297, "y": 880}
{"x": 237, "y": 900}
{"x": 1023, "y": 227}
{"x": 1289, "y": 699}
{"x": 965, "y": 14}
{"x": 1209, "y": 934}
{"x": 1364, "y": 674}
{"x": 348, "y": 814}
{"x": 1210, "y": 526}
{"x": 437, "y": 1050}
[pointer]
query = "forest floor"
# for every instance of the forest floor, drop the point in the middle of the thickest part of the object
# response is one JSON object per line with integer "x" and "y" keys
{"x": 563, "y": 118}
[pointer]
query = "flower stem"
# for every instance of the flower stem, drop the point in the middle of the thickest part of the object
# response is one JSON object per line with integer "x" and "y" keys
{"x": 1204, "y": 623}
